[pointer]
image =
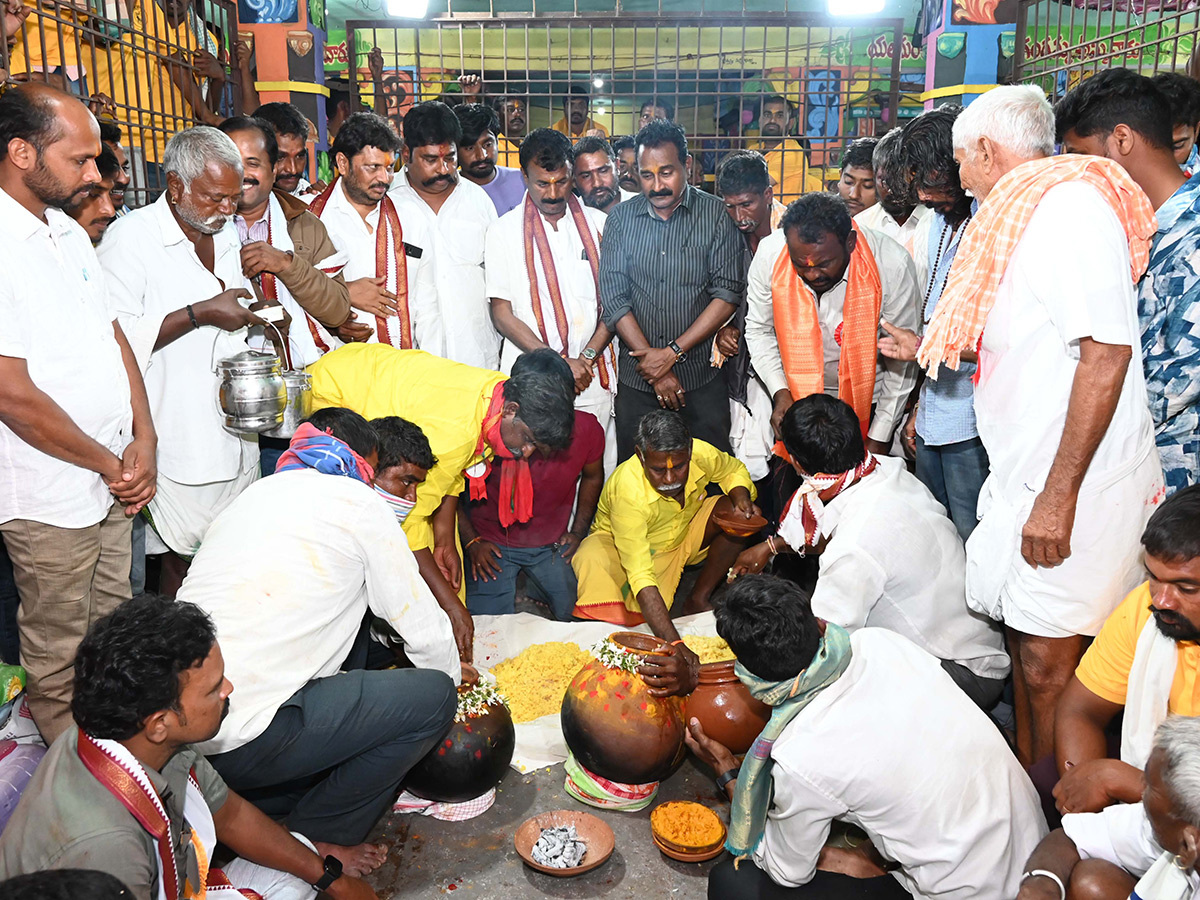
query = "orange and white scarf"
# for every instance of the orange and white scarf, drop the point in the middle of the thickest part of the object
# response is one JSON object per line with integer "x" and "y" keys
{"x": 988, "y": 245}
{"x": 515, "y": 503}
{"x": 803, "y": 523}
{"x": 391, "y": 263}
{"x": 798, "y": 329}
{"x": 124, "y": 777}
{"x": 545, "y": 294}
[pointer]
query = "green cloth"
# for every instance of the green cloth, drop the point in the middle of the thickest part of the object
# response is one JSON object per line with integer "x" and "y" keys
{"x": 752, "y": 796}
{"x": 587, "y": 788}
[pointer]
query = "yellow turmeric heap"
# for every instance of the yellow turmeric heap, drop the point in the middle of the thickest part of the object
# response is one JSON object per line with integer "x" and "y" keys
{"x": 709, "y": 649}
{"x": 686, "y": 824}
{"x": 534, "y": 681}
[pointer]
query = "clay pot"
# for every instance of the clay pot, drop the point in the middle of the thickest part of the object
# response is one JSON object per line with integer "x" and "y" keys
{"x": 468, "y": 761}
{"x": 727, "y": 712}
{"x": 615, "y": 728}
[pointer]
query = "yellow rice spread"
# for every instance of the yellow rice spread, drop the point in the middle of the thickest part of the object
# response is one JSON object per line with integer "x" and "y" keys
{"x": 534, "y": 681}
{"x": 709, "y": 649}
{"x": 686, "y": 824}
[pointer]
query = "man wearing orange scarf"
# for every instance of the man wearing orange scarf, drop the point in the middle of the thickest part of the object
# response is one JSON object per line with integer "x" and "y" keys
{"x": 816, "y": 291}
{"x": 471, "y": 416}
{"x": 1042, "y": 293}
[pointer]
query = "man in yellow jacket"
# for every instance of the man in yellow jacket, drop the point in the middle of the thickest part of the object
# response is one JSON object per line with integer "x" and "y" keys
{"x": 471, "y": 417}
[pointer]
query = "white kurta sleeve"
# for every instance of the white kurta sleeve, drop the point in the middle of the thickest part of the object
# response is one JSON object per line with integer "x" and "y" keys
{"x": 497, "y": 260}
{"x": 797, "y": 829}
{"x": 397, "y": 593}
{"x": 849, "y": 586}
{"x": 900, "y": 307}
{"x": 761, "y": 341}
{"x": 121, "y": 256}
{"x": 1119, "y": 834}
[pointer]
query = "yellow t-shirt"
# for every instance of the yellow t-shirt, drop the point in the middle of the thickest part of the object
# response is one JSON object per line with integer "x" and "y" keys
{"x": 1104, "y": 669}
{"x": 562, "y": 126}
{"x": 447, "y": 400}
{"x": 642, "y": 521}
{"x": 788, "y": 167}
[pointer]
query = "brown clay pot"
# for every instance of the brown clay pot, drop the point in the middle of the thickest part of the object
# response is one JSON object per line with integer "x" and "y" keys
{"x": 615, "y": 728}
{"x": 468, "y": 761}
{"x": 727, "y": 712}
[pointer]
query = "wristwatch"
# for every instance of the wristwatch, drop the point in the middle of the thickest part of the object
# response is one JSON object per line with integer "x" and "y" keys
{"x": 680, "y": 356}
{"x": 333, "y": 871}
{"x": 727, "y": 776}
{"x": 589, "y": 354}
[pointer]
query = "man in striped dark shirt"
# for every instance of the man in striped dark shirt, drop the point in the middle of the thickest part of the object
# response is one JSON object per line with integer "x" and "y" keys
{"x": 671, "y": 273}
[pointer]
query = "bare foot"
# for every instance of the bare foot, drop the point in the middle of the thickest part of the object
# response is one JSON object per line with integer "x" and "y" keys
{"x": 357, "y": 861}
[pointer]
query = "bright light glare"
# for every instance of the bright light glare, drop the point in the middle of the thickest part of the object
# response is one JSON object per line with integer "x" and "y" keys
{"x": 407, "y": 9}
{"x": 597, "y": 82}
{"x": 855, "y": 7}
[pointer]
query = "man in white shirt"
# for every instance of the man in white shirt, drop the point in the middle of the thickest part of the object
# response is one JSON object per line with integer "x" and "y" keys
{"x": 897, "y": 212}
{"x": 890, "y": 557}
{"x": 71, "y": 399}
{"x": 547, "y": 251}
{"x": 867, "y": 728}
{"x": 456, "y": 214}
{"x": 594, "y": 169}
{"x": 324, "y": 749}
{"x": 174, "y": 274}
{"x": 1061, "y": 412}
{"x": 389, "y": 267}
{"x": 835, "y": 262}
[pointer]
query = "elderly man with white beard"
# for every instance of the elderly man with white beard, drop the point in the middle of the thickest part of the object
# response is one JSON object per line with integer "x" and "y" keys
{"x": 174, "y": 271}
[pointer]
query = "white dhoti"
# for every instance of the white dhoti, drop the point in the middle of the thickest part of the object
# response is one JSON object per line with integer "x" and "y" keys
{"x": 750, "y": 432}
{"x": 1105, "y": 562}
{"x": 598, "y": 401}
{"x": 180, "y": 513}
{"x": 270, "y": 884}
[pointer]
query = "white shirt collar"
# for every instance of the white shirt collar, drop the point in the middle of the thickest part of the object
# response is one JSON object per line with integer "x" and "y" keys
{"x": 22, "y": 224}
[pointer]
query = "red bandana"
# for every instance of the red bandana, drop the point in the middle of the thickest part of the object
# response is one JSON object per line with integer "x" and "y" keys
{"x": 516, "y": 481}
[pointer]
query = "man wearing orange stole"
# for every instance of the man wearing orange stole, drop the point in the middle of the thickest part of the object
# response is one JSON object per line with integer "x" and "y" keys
{"x": 817, "y": 289}
{"x": 542, "y": 263}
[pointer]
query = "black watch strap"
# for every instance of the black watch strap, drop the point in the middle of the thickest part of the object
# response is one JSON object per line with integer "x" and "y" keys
{"x": 333, "y": 871}
{"x": 727, "y": 776}
{"x": 680, "y": 356}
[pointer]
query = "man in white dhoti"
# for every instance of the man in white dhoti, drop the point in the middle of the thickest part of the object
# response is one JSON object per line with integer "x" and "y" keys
{"x": 1043, "y": 286}
{"x": 388, "y": 262}
{"x": 542, "y": 261}
{"x": 174, "y": 272}
{"x": 456, "y": 213}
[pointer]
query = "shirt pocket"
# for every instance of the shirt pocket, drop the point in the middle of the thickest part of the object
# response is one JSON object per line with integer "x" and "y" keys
{"x": 693, "y": 266}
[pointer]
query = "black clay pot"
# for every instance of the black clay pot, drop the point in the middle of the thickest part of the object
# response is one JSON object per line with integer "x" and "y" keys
{"x": 468, "y": 761}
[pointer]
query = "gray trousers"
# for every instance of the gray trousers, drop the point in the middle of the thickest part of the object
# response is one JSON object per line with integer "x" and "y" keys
{"x": 331, "y": 761}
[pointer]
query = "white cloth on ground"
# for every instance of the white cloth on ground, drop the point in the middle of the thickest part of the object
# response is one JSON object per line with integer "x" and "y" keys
{"x": 270, "y": 884}
{"x": 896, "y": 748}
{"x": 894, "y": 560}
{"x": 57, "y": 318}
{"x": 1050, "y": 297}
{"x": 894, "y": 380}
{"x": 457, "y": 232}
{"x": 288, "y": 572}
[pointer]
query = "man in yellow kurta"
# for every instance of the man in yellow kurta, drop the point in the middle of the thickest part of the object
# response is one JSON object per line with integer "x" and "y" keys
{"x": 515, "y": 124}
{"x": 786, "y": 160}
{"x": 654, "y": 518}
{"x": 470, "y": 417}
{"x": 577, "y": 118}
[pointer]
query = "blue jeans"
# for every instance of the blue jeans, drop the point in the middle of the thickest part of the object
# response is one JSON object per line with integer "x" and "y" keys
{"x": 954, "y": 474}
{"x": 550, "y": 579}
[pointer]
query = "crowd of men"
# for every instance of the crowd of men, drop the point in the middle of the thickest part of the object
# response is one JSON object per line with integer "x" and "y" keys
{"x": 961, "y": 391}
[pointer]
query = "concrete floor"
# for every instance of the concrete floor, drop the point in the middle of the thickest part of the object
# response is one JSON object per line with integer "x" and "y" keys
{"x": 476, "y": 858}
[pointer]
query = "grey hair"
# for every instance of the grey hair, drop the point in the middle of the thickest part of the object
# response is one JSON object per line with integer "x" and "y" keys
{"x": 662, "y": 431}
{"x": 190, "y": 151}
{"x": 887, "y": 151}
{"x": 1179, "y": 740}
{"x": 1016, "y": 117}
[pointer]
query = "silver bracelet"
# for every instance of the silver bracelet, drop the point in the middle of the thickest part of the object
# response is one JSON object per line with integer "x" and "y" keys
{"x": 1046, "y": 873}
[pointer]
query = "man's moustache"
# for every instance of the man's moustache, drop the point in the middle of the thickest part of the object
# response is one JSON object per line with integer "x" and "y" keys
{"x": 430, "y": 182}
{"x": 660, "y": 193}
{"x": 380, "y": 184}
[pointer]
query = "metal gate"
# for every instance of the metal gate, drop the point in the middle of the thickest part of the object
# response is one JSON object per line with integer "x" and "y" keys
{"x": 1060, "y": 44}
{"x": 710, "y": 72}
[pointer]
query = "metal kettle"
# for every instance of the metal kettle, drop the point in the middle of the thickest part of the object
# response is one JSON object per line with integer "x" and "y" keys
{"x": 252, "y": 393}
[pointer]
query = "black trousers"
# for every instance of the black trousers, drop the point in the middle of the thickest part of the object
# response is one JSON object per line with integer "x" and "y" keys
{"x": 706, "y": 414}
{"x": 748, "y": 882}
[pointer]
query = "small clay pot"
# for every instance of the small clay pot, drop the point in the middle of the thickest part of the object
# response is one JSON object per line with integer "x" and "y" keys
{"x": 727, "y": 712}
{"x": 615, "y": 728}
{"x": 468, "y": 761}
